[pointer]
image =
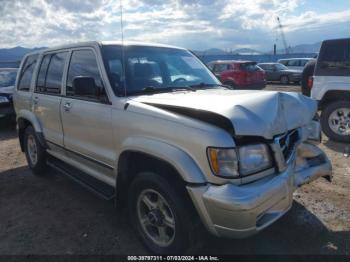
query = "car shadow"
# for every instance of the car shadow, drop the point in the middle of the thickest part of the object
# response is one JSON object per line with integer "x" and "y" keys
{"x": 297, "y": 232}
{"x": 337, "y": 146}
{"x": 50, "y": 214}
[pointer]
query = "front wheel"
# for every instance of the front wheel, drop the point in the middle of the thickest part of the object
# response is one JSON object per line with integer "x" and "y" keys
{"x": 159, "y": 214}
{"x": 335, "y": 121}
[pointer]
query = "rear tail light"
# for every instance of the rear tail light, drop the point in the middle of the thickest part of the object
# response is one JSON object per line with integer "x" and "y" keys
{"x": 310, "y": 82}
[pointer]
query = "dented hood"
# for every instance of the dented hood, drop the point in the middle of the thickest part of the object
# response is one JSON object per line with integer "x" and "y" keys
{"x": 252, "y": 113}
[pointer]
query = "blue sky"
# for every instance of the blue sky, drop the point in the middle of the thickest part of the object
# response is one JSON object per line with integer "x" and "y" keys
{"x": 194, "y": 24}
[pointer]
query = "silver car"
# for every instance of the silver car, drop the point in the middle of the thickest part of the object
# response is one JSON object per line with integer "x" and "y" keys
{"x": 151, "y": 127}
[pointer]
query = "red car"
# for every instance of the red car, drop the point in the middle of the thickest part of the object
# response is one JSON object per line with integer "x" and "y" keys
{"x": 239, "y": 74}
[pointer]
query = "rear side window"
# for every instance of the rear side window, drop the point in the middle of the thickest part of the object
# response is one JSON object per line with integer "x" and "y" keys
{"x": 83, "y": 63}
{"x": 51, "y": 73}
{"x": 27, "y": 73}
{"x": 249, "y": 67}
{"x": 218, "y": 68}
{"x": 334, "y": 59}
{"x": 283, "y": 62}
{"x": 303, "y": 62}
{"x": 293, "y": 63}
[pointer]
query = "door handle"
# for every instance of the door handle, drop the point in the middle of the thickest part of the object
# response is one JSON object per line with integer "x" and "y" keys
{"x": 67, "y": 106}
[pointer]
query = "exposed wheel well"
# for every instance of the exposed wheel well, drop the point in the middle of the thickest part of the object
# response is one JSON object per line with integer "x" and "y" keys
{"x": 331, "y": 96}
{"x": 132, "y": 162}
{"x": 22, "y": 125}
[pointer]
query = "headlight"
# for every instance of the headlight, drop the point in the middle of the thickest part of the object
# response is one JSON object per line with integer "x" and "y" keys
{"x": 226, "y": 162}
{"x": 253, "y": 158}
{"x": 223, "y": 162}
{"x": 3, "y": 99}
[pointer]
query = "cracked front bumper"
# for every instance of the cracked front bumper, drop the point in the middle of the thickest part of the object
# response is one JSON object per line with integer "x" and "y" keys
{"x": 240, "y": 211}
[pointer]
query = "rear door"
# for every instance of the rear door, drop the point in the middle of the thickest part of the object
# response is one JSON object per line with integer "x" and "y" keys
{"x": 87, "y": 118}
{"x": 47, "y": 96}
{"x": 269, "y": 71}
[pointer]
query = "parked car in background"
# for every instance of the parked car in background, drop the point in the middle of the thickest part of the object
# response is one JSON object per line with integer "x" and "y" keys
{"x": 294, "y": 63}
{"x": 307, "y": 77}
{"x": 239, "y": 74}
{"x": 178, "y": 153}
{"x": 7, "y": 82}
{"x": 280, "y": 73}
{"x": 331, "y": 87}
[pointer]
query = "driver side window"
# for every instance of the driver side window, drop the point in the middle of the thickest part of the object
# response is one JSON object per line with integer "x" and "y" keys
{"x": 83, "y": 64}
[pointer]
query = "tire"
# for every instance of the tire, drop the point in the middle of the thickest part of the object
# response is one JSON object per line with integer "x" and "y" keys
{"x": 330, "y": 118}
{"x": 284, "y": 80}
{"x": 176, "y": 209}
{"x": 35, "y": 153}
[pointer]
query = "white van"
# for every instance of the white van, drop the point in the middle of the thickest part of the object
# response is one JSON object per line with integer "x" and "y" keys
{"x": 295, "y": 63}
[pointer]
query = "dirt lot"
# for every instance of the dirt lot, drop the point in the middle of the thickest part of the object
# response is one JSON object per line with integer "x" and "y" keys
{"x": 53, "y": 215}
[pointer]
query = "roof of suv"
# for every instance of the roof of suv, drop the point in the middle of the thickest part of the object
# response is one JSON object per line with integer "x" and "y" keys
{"x": 304, "y": 58}
{"x": 99, "y": 43}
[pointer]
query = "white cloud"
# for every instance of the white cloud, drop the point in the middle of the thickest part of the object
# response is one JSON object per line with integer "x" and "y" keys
{"x": 191, "y": 23}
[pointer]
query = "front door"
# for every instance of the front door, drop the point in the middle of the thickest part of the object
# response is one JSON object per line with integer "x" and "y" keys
{"x": 86, "y": 116}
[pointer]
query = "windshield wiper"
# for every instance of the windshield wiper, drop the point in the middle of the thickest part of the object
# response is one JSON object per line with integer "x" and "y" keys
{"x": 206, "y": 85}
{"x": 149, "y": 90}
{"x": 182, "y": 88}
{"x": 154, "y": 90}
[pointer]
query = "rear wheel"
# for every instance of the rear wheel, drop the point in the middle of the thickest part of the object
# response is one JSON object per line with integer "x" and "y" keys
{"x": 160, "y": 214}
{"x": 335, "y": 120}
{"x": 35, "y": 153}
{"x": 284, "y": 80}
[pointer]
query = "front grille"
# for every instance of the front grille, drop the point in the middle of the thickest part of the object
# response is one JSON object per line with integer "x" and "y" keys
{"x": 287, "y": 143}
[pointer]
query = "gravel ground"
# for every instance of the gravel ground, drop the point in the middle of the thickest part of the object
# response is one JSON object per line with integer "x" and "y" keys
{"x": 53, "y": 215}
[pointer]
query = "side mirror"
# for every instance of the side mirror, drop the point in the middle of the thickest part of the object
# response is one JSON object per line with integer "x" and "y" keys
{"x": 85, "y": 86}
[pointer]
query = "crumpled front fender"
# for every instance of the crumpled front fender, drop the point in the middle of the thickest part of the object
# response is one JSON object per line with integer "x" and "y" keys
{"x": 311, "y": 163}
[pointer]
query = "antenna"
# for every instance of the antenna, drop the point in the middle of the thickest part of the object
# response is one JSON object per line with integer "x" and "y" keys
{"x": 123, "y": 55}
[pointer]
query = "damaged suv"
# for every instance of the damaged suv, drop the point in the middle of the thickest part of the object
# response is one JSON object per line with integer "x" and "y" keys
{"x": 152, "y": 128}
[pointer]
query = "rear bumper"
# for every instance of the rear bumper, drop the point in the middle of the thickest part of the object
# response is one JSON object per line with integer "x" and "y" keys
{"x": 240, "y": 211}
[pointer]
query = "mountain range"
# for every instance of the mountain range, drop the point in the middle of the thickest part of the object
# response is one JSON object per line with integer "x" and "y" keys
{"x": 16, "y": 53}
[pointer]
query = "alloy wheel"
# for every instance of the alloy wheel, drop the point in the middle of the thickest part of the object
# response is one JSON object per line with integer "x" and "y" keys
{"x": 156, "y": 217}
{"x": 339, "y": 121}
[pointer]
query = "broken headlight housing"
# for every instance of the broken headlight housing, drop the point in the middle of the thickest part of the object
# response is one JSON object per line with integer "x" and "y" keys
{"x": 242, "y": 161}
{"x": 313, "y": 130}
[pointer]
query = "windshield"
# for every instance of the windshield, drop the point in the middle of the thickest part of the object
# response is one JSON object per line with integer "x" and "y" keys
{"x": 280, "y": 67}
{"x": 155, "y": 69}
{"x": 7, "y": 78}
